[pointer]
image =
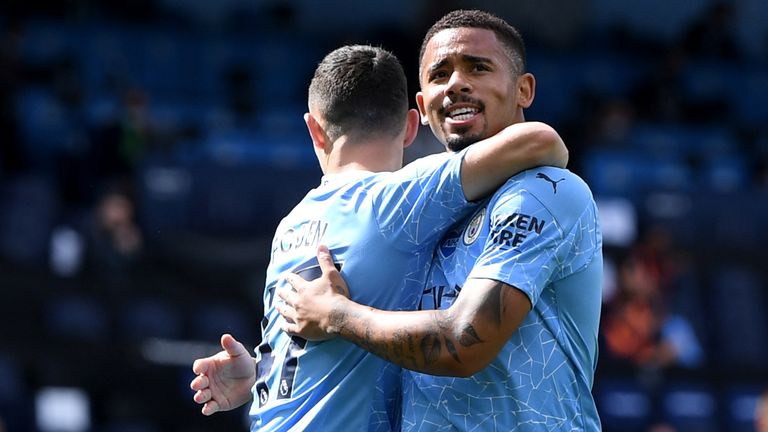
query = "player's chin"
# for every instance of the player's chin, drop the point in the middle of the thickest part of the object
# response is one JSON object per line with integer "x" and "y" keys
{"x": 459, "y": 141}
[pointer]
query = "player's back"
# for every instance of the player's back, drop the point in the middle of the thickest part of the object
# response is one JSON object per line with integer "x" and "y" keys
{"x": 381, "y": 229}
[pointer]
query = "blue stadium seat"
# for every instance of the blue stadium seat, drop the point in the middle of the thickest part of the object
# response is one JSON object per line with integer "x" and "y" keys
{"x": 691, "y": 407}
{"x": 705, "y": 80}
{"x": 725, "y": 173}
{"x": 274, "y": 79}
{"x": 45, "y": 42}
{"x": 632, "y": 174}
{"x": 113, "y": 58}
{"x": 612, "y": 172}
{"x": 28, "y": 211}
{"x": 16, "y": 411}
{"x": 46, "y": 126}
{"x": 749, "y": 96}
{"x": 623, "y": 405}
{"x": 740, "y": 325}
{"x": 209, "y": 321}
{"x": 12, "y": 379}
{"x": 607, "y": 74}
{"x": 164, "y": 197}
{"x": 556, "y": 97}
{"x": 740, "y": 402}
{"x": 77, "y": 317}
{"x": 682, "y": 140}
{"x": 150, "y": 317}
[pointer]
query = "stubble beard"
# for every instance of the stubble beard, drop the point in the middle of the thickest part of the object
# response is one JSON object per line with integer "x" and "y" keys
{"x": 461, "y": 140}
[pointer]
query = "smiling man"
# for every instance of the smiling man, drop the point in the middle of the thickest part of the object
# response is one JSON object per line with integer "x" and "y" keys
{"x": 507, "y": 335}
{"x": 384, "y": 222}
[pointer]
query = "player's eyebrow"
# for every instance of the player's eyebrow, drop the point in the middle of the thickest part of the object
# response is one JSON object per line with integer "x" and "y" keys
{"x": 475, "y": 59}
{"x": 469, "y": 58}
{"x": 436, "y": 66}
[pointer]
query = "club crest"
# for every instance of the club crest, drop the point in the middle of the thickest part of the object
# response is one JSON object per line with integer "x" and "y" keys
{"x": 472, "y": 232}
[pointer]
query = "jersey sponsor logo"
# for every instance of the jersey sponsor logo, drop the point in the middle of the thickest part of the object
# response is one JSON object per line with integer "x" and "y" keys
{"x": 472, "y": 233}
{"x": 511, "y": 231}
{"x": 306, "y": 234}
{"x": 553, "y": 182}
{"x": 438, "y": 297}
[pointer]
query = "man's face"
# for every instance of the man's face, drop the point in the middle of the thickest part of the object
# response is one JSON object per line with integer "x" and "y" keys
{"x": 468, "y": 89}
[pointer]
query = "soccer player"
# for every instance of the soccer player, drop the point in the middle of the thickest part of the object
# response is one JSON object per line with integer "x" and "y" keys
{"x": 507, "y": 335}
{"x": 383, "y": 224}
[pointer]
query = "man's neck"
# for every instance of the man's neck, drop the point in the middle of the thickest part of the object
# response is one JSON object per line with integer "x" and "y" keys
{"x": 372, "y": 155}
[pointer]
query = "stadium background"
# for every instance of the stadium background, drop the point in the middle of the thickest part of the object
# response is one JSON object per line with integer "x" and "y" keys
{"x": 149, "y": 147}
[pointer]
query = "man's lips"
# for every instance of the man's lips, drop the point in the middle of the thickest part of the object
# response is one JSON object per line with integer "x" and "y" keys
{"x": 461, "y": 115}
{"x": 461, "y": 112}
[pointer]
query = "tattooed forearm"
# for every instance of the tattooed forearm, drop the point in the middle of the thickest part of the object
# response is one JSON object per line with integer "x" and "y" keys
{"x": 452, "y": 349}
{"x": 430, "y": 348}
{"x": 429, "y": 341}
{"x": 413, "y": 348}
{"x": 469, "y": 336}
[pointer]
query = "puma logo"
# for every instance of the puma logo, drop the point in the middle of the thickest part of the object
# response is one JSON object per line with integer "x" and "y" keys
{"x": 546, "y": 177}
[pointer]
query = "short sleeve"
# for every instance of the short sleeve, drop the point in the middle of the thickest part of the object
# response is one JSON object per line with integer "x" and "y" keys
{"x": 524, "y": 246}
{"x": 414, "y": 206}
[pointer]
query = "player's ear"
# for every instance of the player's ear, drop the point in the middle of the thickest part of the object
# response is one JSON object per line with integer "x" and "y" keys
{"x": 411, "y": 127}
{"x": 316, "y": 132}
{"x": 526, "y": 90}
{"x": 422, "y": 108}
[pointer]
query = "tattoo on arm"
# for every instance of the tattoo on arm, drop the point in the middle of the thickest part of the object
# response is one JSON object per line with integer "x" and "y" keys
{"x": 469, "y": 337}
{"x": 420, "y": 347}
{"x": 430, "y": 348}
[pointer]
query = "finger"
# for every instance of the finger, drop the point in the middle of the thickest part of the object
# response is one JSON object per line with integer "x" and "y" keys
{"x": 325, "y": 259}
{"x": 290, "y": 328}
{"x": 210, "y": 408}
{"x": 294, "y": 280}
{"x": 286, "y": 312}
{"x": 200, "y": 382}
{"x": 288, "y": 296}
{"x": 232, "y": 346}
{"x": 200, "y": 366}
{"x": 202, "y": 396}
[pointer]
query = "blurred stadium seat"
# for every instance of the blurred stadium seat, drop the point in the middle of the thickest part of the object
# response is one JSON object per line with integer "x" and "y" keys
{"x": 623, "y": 405}
{"x": 28, "y": 211}
{"x": 150, "y": 317}
{"x": 740, "y": 403}
{"x": 691, "y": 407}
{"x": 740, "y": 325}
{"x": 15, "y": 405}
{"x": 207, "y": 322}
{"x": 77, "y": 317}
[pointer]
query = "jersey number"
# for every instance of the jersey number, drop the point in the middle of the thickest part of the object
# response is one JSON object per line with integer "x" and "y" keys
{"x": 291, "y": 363}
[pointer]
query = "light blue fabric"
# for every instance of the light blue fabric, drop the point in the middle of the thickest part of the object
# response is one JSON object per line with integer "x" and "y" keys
{"x": 382, "y": 229}
{"x": 540, "y": 234}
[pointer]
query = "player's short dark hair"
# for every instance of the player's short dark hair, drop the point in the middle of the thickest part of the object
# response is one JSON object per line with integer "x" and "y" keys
{"x": 360, "y": 90}
{"x": 508, "y": 35}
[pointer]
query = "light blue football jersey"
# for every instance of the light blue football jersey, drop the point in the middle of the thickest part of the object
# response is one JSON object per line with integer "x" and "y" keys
{"x": 539, "y": 233}
{"x": 382, "y": 229}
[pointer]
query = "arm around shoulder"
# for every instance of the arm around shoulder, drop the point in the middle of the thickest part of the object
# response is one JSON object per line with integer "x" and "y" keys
{"x": 490, "y": 162}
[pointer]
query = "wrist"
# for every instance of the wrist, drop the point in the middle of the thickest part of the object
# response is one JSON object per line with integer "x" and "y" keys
{"x": 338, "y": 318}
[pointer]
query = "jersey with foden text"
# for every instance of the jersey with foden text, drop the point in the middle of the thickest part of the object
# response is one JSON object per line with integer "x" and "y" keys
{"x": 540, "y": 234}
{"x": 382, "y": 229}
